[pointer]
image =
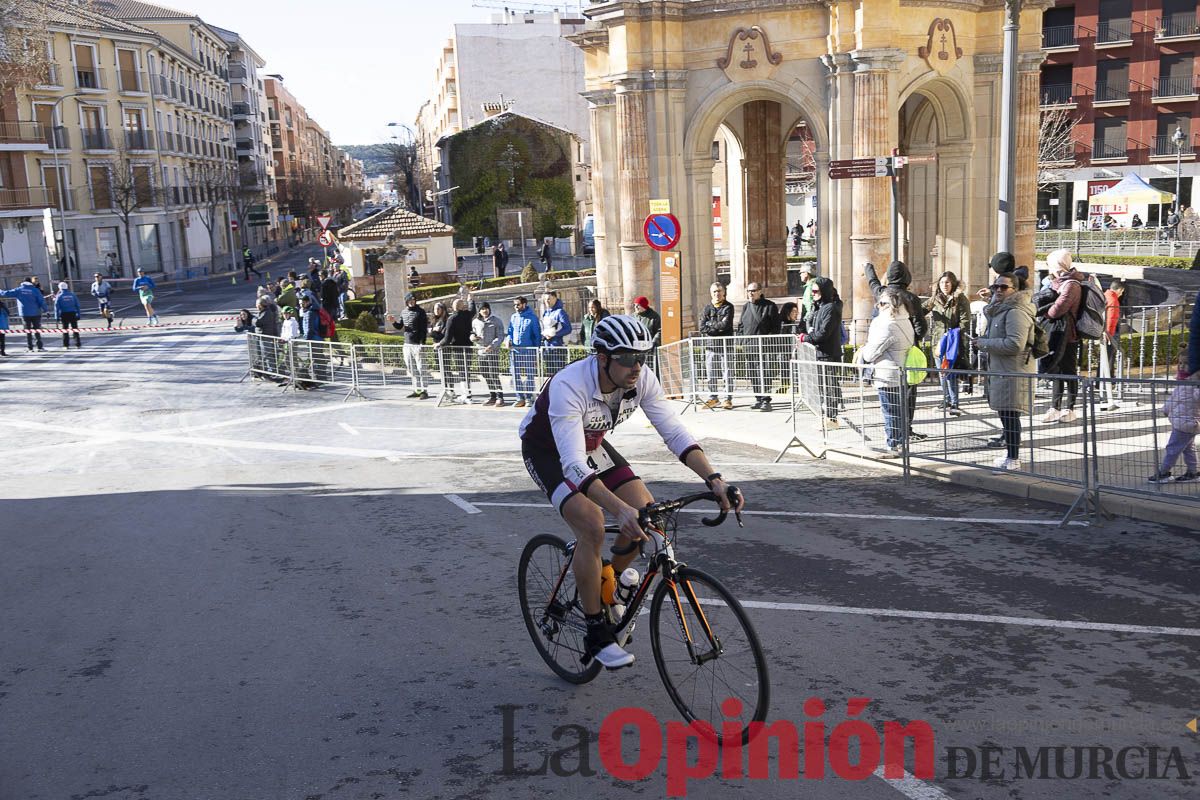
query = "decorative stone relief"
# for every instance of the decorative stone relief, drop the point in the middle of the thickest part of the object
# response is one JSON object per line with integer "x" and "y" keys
{"x": 749, "y": 55}
{"x": 941, "y": 51}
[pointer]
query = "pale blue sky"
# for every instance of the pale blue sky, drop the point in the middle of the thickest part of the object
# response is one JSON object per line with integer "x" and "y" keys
{"x": 356, "y": 65}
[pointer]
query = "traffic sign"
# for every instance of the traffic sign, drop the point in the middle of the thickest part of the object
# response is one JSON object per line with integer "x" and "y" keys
{"x": 325, "y": 239}
{"x": 661, "y": 231}
{"x": 660, "y": 206}
{"x": 860, "y": 168}
{"x": 324, "y": 221}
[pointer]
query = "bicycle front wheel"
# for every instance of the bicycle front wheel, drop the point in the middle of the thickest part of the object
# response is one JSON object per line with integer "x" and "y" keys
{"x": 708, "y": 654}
{"x": 550, "y": 605}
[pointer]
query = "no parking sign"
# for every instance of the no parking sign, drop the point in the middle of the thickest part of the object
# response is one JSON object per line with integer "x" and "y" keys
{"x": 661, "y": 231}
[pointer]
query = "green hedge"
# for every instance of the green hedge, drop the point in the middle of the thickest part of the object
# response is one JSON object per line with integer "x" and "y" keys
{"x": 1170, "y": 262}
{"x": 422, "y": 293}
{"x": 724, "y": 262}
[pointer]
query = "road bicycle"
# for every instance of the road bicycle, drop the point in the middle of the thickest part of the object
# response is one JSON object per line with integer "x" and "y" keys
{"x": 704, "y": 645}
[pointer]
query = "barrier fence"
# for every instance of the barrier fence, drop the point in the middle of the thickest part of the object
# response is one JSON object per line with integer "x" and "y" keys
{"x": 1100, "y": 447}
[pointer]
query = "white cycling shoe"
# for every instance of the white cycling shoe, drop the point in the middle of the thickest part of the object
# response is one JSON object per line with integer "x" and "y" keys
{"x": 613, "y": 657}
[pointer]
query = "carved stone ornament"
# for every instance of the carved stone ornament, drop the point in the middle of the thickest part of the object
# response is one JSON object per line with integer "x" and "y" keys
{"x": 941, "y": 51}
{"x": 749, "y": 55}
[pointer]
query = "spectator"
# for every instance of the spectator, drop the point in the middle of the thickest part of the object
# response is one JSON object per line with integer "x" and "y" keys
{"x": 287, "y": 294}
{"x": 1043, "y": 223}
{"x": 556, "y": 325}
{"x": 1008, "y": 343}
{"x": 437, "y": 326}
{"x": 595, "y": 313}
{"x": 948, "y": 311}
{"x": 314, "y": 274}
{"x": 244, "y": 323}
{"x": 797, "y": 238}
{"x": 1173, "y": 220}
{"x": 499, "y": 259}
{"x": 330, "y": 291}
{"x": 30, "y": 307}
{"x": 716, "y": 323}
{"x": 308, "y": 288}
{"x": 3, "y": 326}
{"x": 102, "y": 291}
{"x": 524, "y": 334}
{"x": 415, "y": 324}
{"x": 1108, "y": 344}
{"x": 760, "y": 317}
{"x": 807, "y": 274}
{"x": 310, "y": 319}
{"x": 143, "y": 284}
{"x": 789, "y": 318}
{"x": 67, "y": 311}
{"x": 455, "y": 349}
{"x": 648, "y": 317}
{"x": 291, "y": 327}
{"x": 545, "y": 254}
{"x": 1182, "y": 409}
{"x": 342, "y": 277}
{"x": 898, "y": 277}
{"x": 485, "y": 333}
{"x": 267, "y": 322}
{"x": 1061, "y": 312}
{"x": 1136, "y": 222}
{"x": 888, "y": 341}
{"x": 823, "y": 330}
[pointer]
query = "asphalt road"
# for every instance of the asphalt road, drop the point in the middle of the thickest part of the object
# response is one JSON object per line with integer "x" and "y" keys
{"x": 219, "y": 590}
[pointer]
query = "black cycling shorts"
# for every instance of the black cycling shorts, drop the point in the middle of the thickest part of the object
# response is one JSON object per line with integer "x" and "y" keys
{"x": 546, "y": 470}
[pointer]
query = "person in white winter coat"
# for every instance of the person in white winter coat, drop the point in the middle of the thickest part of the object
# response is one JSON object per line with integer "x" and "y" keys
{"x": 888, "y": 341}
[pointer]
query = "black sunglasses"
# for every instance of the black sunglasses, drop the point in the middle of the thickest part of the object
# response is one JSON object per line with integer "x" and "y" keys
{"x": 1000, "y": 287}
{"x": 629, "y": 360}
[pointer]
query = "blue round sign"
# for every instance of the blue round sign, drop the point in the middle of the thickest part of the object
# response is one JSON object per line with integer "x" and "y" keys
{"x": 661, "y": 231}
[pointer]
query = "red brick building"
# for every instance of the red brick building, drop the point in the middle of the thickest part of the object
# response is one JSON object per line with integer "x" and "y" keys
{"x": 1126, "y": 69}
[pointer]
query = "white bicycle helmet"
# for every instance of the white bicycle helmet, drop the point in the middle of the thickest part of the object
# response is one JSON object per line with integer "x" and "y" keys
{"x": 621, "y": 332}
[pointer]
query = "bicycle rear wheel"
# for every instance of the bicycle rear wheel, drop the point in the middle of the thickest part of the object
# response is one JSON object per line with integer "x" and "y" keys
{"x": 550, "y": 605}
{"x": 729, "y": 665}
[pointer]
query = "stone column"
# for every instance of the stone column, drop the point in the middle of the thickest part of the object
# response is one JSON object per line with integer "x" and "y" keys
{"x": 395, "y": 281}
{"x": 605, "y": 203}
{"x": 637, "y": 276}
{"x": 1028, "y": 125}
{"x": 876, "y": 132}
{"x": 766, "y": 214}
{"x": 698, "y": 273}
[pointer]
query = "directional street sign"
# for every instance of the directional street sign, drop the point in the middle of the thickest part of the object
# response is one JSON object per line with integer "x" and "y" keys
{"x": 661, "y": 231}
{"x": 325, "y": 239}
{"x": 324, "y": 221}
{"x": 860, "y": 168}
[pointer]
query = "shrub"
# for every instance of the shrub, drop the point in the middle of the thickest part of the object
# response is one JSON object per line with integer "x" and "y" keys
{"x": 529, "y": 274}
{"x": 1168, "y": 262}
{"x": 366, "y": 322}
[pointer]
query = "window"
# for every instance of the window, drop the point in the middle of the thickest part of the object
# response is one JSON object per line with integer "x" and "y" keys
{"x": 55, "y": 185}
{"x": 1111, "y": 140}
{"x": 1112, "y": 80}
{"x": 143, "y": 185}
{"x": 1164, "y": 141}
{"x": 129, "y": 79}
{"x": 1175, "y": 76}
{"x": 101, "y": 183}
{"x": 108, "y": 245}
{"x": 1114, "y": 25}
{"x": 86, "y": 74}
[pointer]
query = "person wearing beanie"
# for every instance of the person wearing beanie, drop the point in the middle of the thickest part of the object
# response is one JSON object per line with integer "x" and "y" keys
{"x": 67, "y": 310}
{"x": 1065, "y": 296}
{"x": 898, "y": 277}
{"x": 648, "y": 317}
{"x": 1002, "y": 263}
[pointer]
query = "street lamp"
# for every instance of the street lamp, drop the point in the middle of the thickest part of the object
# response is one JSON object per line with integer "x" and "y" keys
{"x": 1178, "y": 138}
{"x": 58, "y": 180}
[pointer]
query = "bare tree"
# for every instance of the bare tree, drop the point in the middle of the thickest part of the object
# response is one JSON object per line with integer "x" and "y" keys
{"x": 130, "y": 188}
{"x": 1056, "y": 145}
{"x": 24, "y": 54}
{"x": 244, "y": 192}
{"x": 209, "y": 182}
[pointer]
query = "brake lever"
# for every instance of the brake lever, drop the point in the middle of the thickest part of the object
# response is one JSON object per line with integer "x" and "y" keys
{"x": 735, "y": 499}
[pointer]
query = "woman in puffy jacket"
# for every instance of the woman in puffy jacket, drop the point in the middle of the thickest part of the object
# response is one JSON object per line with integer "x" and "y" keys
{"x": 948, "y": 310}
{"x": 1008, "y": 343}
{"x": 888, "y": 341}
{"x": 487, "y": 334}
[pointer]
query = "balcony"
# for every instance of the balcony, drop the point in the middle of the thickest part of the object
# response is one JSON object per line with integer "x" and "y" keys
{"x": 245, "y": 145}
{"x": 1114, "y": 33}
{"x": 1062, "y": 154}
{"x": 1103, "y": 150}
{"x": 27, "y": 197}
{"x": 1111, "y": 93}
{"x": 241, "y": 110}
{"x": 238, "y": 73}
{"x": 139, "y": 140}
{"x": 20, "y": 136}
{"x": 57, "y": 138}
{"x": 166, "y": 141}
{"x": 1174, "y": 89}
{"x": 1177, "y": 28}
{"x": 130, "y": 81}
{"x": 1057, "y": 94}
{"x": 96, "y": 139}
{"x": 1164, "y": 147}
{"x": 1059, "y": 37}
{"x": 90, "y": 79}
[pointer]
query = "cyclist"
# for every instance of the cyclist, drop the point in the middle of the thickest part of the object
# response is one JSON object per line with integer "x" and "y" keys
{"x": 563, "y": 445}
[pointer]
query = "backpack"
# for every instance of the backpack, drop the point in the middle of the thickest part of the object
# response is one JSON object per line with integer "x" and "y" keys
{"x": 328, "y": 328}
{"x": 1039, "y": 344}
{"x": 846, "y": 334}
{"x": 1089, "y": 322}
{"x": 915, "y": 364}
{"x": 948, "y": 347}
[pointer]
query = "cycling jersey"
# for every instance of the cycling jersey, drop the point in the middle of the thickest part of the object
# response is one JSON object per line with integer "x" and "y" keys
{"x": 571, "y": 416}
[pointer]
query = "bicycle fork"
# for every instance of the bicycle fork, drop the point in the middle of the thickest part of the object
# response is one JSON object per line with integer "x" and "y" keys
{"x": 715, "y": 649}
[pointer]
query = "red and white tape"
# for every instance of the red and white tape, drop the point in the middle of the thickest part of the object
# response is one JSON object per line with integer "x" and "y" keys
{"x": 124, "y": 329}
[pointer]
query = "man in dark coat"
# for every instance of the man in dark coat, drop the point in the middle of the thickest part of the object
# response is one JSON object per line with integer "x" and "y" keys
{"x": 898, "y": 277}
{"x": 716, "y": 322}
{"x": 823, "y": 330}
{"x": 499, "y": 259}
{"x": 545, "y": 254}
{"x": 330, "y": 292}
{"x": 760, "y": 317}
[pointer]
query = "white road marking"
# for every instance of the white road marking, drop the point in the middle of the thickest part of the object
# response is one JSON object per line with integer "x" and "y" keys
{"x": 463, "y": 504}
{"x": 836, "y": 514}
{"x": 912, "y": 787}
{"x": 348, "y": 429}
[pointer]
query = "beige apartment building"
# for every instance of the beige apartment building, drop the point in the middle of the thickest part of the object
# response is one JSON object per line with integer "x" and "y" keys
{"x": 98, "y": 161}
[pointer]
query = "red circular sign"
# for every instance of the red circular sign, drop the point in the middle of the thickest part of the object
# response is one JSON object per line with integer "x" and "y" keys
{"x": 325, "y": 239}
{"x": 662, "y": 231}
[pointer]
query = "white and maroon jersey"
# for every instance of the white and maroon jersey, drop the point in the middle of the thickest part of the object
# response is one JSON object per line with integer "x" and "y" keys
{"x": 571, "y": 417}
